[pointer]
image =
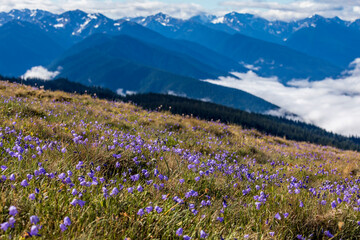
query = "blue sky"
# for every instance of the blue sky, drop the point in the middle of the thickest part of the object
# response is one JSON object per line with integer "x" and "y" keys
{"x": 270, "y": 9}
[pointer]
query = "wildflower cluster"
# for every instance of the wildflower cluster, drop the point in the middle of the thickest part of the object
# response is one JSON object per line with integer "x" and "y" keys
{"x": 87, "y": 168}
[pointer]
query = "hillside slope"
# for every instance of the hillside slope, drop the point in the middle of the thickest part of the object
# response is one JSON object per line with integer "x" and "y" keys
{"x": 334, "y": 42}
{"x": 276, "y": 126}
{"x": 272, "y": 59}
{"x": 96, "y": 67}
{"x": 139, "y": 52}
{"x": 71, "y": 163}
{"x": 24, "y": 45}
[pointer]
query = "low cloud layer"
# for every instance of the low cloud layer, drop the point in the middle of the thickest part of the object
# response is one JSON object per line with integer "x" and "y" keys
{"x": 41, "y": 73}
{"x": 123, "y": 93}
{"x": 333, "y": 104}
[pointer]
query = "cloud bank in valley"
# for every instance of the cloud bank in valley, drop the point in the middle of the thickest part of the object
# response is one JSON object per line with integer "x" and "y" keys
{"x": 121, "y": 92}
{"x": 41, "y": 73}
{"x": 333, "y": 104}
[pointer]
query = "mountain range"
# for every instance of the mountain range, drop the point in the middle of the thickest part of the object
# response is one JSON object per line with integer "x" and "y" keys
{"x": 163, "y": 54}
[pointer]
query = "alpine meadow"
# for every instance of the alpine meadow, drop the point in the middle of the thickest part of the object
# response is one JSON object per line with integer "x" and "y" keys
{"x": 184, "y": 120}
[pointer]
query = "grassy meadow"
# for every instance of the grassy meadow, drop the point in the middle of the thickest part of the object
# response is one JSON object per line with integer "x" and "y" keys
{"x": 77, "y": 167}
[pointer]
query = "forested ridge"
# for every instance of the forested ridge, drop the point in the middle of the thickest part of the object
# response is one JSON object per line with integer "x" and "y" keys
{"x": 277, "y": 126}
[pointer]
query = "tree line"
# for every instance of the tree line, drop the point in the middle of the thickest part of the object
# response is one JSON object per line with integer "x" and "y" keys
{"x": 277, "y": 126}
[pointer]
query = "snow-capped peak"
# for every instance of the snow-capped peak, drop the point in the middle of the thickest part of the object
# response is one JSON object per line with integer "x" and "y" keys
{"x": 92, "y": 16}
{"x": 218, "y": 20}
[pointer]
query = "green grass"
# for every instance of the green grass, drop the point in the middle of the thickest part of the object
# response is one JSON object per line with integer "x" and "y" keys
{"x": 228, "y": 159}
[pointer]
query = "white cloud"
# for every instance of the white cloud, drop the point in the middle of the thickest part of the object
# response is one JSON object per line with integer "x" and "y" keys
{"x": 41, "y": 73}
{"x": 333, "y": 104}
{"x": 121, "y": 92}
{"x": 111, "y": 8}
{"x": 272, "y": 9}
{"x": 128, "y": 92}
{"x": 297, "y": 9}
{"x": 173, "y": 93}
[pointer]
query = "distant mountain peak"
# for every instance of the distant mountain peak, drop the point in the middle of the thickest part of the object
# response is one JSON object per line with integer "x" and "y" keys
{"x": 218, "y": 20}
{"x": 162, "y": 18}
{"x": 236, "y": 14}
{"x": 159, "y": 18}
{"x": 25, "y": 14}
{"x": 203, "y": 18}
{"x": 76, "y": 11}
{"x": 161, "y": 15}
{"x": 316, "y": 17}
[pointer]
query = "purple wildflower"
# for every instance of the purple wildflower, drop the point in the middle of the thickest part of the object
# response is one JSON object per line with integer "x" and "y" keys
{"x": 224, "y": 203}
{"x": 73, "y": 202}
{"x": 179, "y": 232}
{"x": 24, "y": 183}
{"x": 328, "y": 234}
{"x": 34, "y": 231}
{"x": 114, "y": 192}
{"x": 67, "y": 221}
{"x": 130, "y": 189}
{"x": 140, "y": 188}
{"x": 81, "y": 202}
{"x": 4, "y": 226}
{"x": 149, "y": 209}
{"x": 140, "y": 212}
{"x": 158, "y": 209}
{"x": 203, "y": 234}
{"x": 32, "y": 196}
{"x": 63, "y": 227}
{"x": 34, "y": 219}
{"x": 194, "y": 211}
{"x": 74, "y": 192}
{"x": 12, "y": 211}
{"x": 135, "y": 177}
{"x": 12, "y": 177}
{"x": 12, "y": 222}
